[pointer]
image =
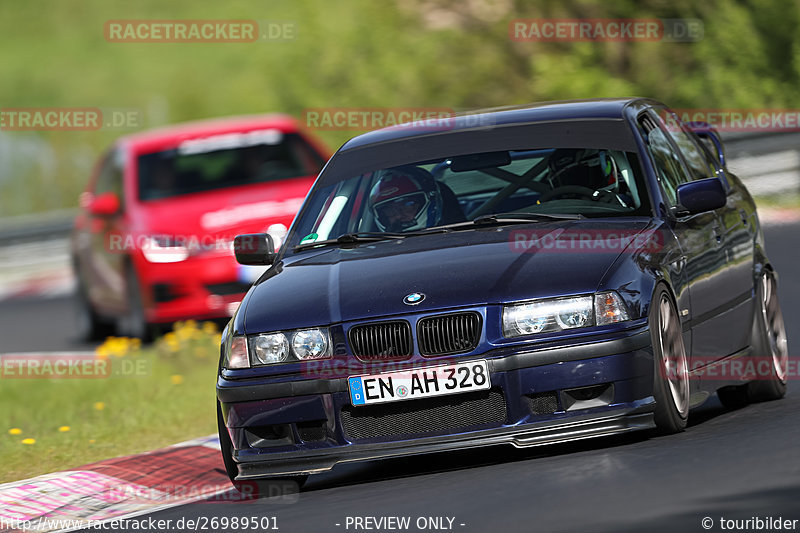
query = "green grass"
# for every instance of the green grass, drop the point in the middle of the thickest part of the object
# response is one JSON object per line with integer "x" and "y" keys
{"x": 779, "y": 201}
{"x": 152, "y": 398}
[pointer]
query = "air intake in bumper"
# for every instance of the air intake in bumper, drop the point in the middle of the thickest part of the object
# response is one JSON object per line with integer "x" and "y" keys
{"x": 454, "y": 413}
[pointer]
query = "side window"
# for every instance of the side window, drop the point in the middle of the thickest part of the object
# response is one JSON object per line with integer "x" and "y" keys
{"x": 694, "y": 155}
{"x": 709, "y": 149}
{"x": 695, "y": 158}
{"x": 110, "y": 177}
{"x": 667, "y": 164}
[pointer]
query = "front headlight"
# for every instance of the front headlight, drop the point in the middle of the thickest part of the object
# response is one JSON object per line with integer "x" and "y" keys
{"x": 306, "y": 344}
{"x": 547, "y": 315}
{"x": 163, "y": 250}
{"x": 559, "y": 314}
{"x": 310, "y": 344}
{"x": 270, "y": 348}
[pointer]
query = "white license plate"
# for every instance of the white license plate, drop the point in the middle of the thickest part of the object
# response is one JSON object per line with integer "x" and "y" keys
{"x": 419, "y": 383}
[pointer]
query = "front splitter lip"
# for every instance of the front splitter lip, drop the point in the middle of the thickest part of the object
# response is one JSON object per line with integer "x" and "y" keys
{"x": 638, "y": 417}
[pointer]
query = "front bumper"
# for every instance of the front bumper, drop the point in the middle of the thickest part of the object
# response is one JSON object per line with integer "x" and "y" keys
{"x": 202, "y": 287}
{"x": 621, "y": 368}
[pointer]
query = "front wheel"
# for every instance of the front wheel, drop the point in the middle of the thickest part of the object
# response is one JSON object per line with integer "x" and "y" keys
{"x": 671, "y": 375}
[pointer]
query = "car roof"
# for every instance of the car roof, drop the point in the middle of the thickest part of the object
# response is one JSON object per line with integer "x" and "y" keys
{"x": 597, "y": 108}
{"x": 174, "y": 134}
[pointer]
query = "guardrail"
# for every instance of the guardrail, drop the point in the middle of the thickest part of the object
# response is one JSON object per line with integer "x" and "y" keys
{"x": 36, "y": 227}
{"x": 769, "y": 163}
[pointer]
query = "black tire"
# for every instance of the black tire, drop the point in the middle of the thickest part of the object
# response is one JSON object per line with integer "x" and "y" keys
{"x": 670, "y": 379}
{"x": 90, "y": 326}
{"x": 770, "y": 342}
{"x": 253, "y": 488}
{"x": 133, "y": 323}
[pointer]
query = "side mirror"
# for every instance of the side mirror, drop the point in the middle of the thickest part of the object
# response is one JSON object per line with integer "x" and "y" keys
{"x": 254, "y": 249}
{"x": 710, "y": 136}
{"x": 104, "y": 205}
{"x": 700, "y": 196}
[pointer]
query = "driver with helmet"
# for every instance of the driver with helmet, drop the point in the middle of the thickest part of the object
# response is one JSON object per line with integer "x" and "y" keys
{"x": 405, "y": 199}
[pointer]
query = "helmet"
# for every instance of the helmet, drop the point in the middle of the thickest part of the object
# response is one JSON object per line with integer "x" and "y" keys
{"x": 405, "y": 199}
{"x": 594, "y": 169}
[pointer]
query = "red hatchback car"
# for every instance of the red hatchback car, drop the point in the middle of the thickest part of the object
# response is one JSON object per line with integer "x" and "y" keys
{"x": 152, "y": 242}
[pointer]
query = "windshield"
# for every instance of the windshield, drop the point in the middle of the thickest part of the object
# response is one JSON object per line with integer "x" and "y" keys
{"x": 227, "y": 160}
{"x": 451, "y": 190}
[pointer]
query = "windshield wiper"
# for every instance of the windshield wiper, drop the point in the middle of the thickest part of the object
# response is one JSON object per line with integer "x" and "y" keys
{"x": 349, "y": 238}
{"x": 511, "y": 218}
{"x": 369, "y": 236}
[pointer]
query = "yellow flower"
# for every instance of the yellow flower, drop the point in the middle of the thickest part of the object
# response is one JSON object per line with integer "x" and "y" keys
{"x": 99, "y": 406}
{"x": 176, "y": 379}
{"x": 28, "y": 441}
{"x": 91, "y": 441}
{"x": 209, "y": 328}
{"x": 64, "y": 429}
{"x": 15, "y": 431}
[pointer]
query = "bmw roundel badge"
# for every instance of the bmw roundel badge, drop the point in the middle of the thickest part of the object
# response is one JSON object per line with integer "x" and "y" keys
{"x": 414, "y": 298}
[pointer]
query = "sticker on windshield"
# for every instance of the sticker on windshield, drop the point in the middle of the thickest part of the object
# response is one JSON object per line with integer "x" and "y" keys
{"x": 229, "y": 141}
{"x": 311, "y": 237}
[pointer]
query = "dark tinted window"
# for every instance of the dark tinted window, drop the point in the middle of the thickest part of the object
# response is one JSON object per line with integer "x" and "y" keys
{"x": 667, "y": 163}
{"x": 226, "y": 161}
{"x": 455, "y": 189}
{"x": 695, "y": 156}
{"x": 110, "y": 177}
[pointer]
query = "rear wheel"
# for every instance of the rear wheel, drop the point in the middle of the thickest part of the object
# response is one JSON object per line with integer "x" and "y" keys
{"x": 671, "y": 375}
{"x": 90, "y": 326}
{"x": 133, "y": 323}
{"x": 771, "y": 343}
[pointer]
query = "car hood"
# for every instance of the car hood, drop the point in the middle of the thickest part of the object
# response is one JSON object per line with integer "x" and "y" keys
{"x": 464, "y": 268}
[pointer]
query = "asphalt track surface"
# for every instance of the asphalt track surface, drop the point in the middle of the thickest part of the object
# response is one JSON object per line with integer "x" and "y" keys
{"x": 727, "y": 465}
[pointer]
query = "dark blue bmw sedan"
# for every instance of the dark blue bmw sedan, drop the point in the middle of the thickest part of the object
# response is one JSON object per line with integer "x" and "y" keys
{"x": 521, "y": 276}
